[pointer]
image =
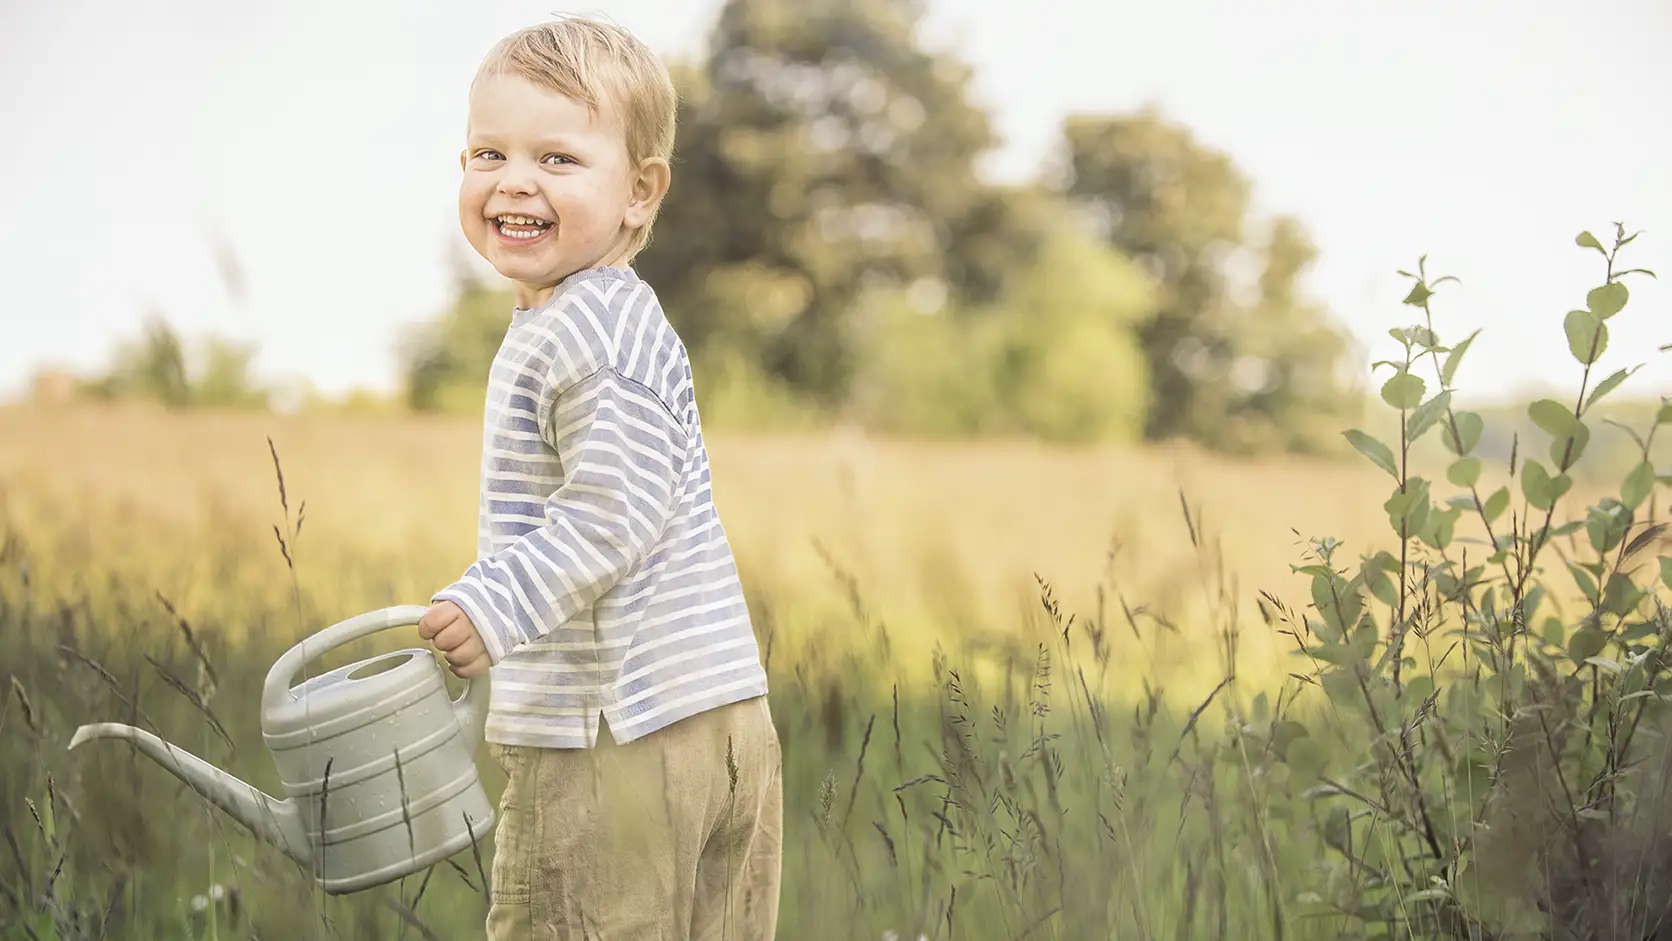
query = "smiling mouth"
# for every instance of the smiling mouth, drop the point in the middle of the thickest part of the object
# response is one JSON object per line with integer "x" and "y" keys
{"x": 521, "y": 228}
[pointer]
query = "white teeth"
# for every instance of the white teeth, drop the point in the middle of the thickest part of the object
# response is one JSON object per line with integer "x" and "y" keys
{"x": 526, "y": 228}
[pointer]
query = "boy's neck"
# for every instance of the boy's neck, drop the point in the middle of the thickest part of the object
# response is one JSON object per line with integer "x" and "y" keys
{"x": 530, "y": 296}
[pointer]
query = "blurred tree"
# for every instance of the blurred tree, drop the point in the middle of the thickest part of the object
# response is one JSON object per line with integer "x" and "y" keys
{"x": 155, "y": 367}
{"x": 445, "y": 361}
{"x": 1230, "y": 375}
{"x": 1290, "y": 390}
{"x": 151, "y": 367}
{"x": 822, "y": 154}
{"x": 1053, "y": 356}
{"x": 224, "y": 377}
{"x": 1073, "y": 368}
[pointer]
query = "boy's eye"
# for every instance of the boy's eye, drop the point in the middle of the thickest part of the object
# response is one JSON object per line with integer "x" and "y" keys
{"x": 558, "y": 159}
{"x": 487, "y": 154}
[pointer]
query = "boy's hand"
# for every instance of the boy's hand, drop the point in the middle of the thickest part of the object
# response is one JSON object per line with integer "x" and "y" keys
{"x": 447, "y": 627}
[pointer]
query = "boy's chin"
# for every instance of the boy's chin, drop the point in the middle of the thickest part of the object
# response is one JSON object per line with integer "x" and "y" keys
{"x": 523, "y": 272}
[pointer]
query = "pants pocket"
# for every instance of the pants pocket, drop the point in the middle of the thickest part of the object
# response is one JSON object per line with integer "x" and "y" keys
{"x": 514, "y": 835}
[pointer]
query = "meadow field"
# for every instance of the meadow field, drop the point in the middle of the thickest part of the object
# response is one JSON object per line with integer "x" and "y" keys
{"x": 1023, "y": 691}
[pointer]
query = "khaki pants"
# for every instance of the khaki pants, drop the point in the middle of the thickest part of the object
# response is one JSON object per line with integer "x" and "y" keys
{"x": 648, "y": 841}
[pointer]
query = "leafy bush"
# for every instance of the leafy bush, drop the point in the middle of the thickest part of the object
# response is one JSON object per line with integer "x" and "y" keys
{"x": 1488, "y": 761}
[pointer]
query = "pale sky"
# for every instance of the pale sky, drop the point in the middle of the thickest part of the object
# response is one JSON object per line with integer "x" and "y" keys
{"x": 320, "y": 137}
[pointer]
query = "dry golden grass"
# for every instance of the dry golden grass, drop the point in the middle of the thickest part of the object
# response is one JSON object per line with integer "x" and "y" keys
{"x": 944, "y": 540}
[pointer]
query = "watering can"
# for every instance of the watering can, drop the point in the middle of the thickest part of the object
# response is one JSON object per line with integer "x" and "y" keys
{"x": 378, "y": 765}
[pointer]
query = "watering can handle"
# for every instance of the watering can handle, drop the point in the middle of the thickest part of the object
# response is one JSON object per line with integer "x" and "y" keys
{"x": 470, "y": 708}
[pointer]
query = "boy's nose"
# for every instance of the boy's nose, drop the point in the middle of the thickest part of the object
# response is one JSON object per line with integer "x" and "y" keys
{"x": 516, "y": 181}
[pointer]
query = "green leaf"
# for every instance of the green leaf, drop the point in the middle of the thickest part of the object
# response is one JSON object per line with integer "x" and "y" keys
{"x": 1645, "y": 536}
{"x": 1566, "y": 451}
{"x": 1468, "y": 426}
{"x": 1408, "y": 511}
{"x": 1554, "y": 631}
{"x": 1426, "y": 415}
{"x": 1664, "y": 416}
{"x": 1305, "y": 758}
{"x": 1537, "y": 485}
{"x": 1454, "y": 359}
{"x": 1560, "y": 485}
{"x": 1608, "y": 300}
{"x": 1552, "y": 416}
{"x": 1587, "y": 240}
{"x": 1419, "y": 295}
{"x": 1380, "y": 454}
{"x": 1610, "y": 384}
{"x": 1420, "y": 336}
{"x": 1338, "y": 600}
{"x": 1630, "y": 432}
{"x": 1587, "y": 335}
{"x": 1403, "y": 391}
{"x": 1337, "y": 654}
{"x": 1342, "y": 687}
{"x": 1438, "y": 531}
{"x": 1606, "y": 524}
{"x": 1496, "y": 504}
{"x": 1464, "y": 471}
{"x": 1586, "y": 582}
{"x": 1621, "y": 595}
{"x": 1530, "y": 603}
{"x": 1666, "y": 571}
{"x": 1586, "y": 643}
{"x": 1374, "y": 570}
{"x": 1635, "y": 488}
{"x": 1285, "y": 734}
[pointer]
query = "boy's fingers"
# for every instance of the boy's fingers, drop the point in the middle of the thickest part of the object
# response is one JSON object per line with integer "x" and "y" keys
{"x": 466, "y": 652}
{"x": 451, "y": 636}
{"x": 473, "y": 669}
{"x": 436, "y": 619}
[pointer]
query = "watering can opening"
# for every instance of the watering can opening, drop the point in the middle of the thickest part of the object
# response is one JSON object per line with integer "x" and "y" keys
{"x": 398, "y": 667}
{"x": 376, "y": 665}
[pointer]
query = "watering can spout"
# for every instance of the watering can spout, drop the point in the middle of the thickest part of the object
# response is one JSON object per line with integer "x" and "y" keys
{"x": 272, "y": 820}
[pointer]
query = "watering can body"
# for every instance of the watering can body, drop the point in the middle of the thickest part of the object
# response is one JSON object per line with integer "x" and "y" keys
{"x": 376, "y": 760}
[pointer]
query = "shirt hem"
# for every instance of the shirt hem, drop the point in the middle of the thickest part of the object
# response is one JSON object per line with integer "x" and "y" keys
{"x": 628, "y": 731}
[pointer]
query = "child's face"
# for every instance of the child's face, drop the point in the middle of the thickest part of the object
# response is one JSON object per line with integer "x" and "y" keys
{"x": 547, "y": 187}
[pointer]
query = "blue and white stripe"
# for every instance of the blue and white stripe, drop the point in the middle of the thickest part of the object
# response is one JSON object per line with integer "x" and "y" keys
{"x": 605, "y": 582}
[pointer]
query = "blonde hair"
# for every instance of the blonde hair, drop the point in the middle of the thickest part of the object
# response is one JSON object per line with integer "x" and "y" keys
{"x": 588, "y": 59}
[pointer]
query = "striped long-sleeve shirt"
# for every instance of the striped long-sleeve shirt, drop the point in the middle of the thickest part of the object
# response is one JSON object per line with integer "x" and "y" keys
{"x": 605, "y": 582}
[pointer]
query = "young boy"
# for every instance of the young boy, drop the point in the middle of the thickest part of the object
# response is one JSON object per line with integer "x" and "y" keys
{"x": 605, "y": 582}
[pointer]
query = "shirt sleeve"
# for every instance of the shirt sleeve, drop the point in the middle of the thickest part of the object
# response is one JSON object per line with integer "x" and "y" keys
{"x": 623, "y": 455}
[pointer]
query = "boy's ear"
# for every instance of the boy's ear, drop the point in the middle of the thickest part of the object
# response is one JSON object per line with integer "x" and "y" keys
{"x": 462, "y": 160}
{"x": 649, "y": 186}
